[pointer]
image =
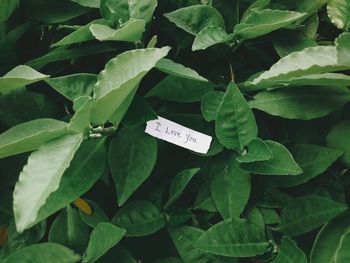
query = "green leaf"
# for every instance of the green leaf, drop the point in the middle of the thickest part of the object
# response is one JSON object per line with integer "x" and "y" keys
{"x": 338, "y": 138}
{"x": 139, "y": 218}
{"x": 142, "y": 9}
{"x": 281, "y": 163}
{"x": 16, "y": 241}
{"x": 115, "y": 10}
{"x": 82, "y": 34}
{"x": 324, "y": 79}
{"x": 103, "y": 237}
{"x": 184, "y": 238}
{"x": 313, "y": 160}
{"x": 139, "y": 112}
{"x": 303, "y": 214}
{"x": 97, "y": 216}
{"x": 30, "y": 136}
{"x": 257, "y": 150}
{"x": 69, "y": 230}
{"x": 210, "y": 36}
{"x": 52, "y": 11}
{"x": 303, "y": 103}
{"x": 305, "y": 62}
{"x": 131, "y": 31}
{"x": 62, "y": 54}
{"x": 343, "y": 250}
{"x": 289, "y": 252}
{"x": 328, "y": 240}
{"x": 230, "y": 190}
{"x": 43, "y": 171}
{"x": 210, "y": 104}
{"x": 339, "y": 13}
{"x": 88, "y": 3}
{"x": 80, "y": 122}
{"x": 132, "y": 156}
{"x": 120, "y": 78}
{"x": 195, "y": 18}
{"x": 178, "y": 70}
{"x": 289, "y": 43}
{"x": 259, "y": 23}
{"x": 233, "y": 238}
{"x": 342, "y": 45}
{"x": 43, "y": 253}
{"x": 85, "y": 169}
{"x": 179, "y": 183}
{"x": 177, "y": 89}
{"x": 18, "y": 77}
{"x": 74, "y": 86}
{"x": 235, "y": 124}
{"x": 6, "y": 9}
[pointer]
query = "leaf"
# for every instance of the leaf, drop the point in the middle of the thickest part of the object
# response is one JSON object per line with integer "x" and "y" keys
{"x": 195, "y": 18}
{"x": 303, "y": 103}
{"x": 30, "y": 136}
{"x": 184, "y": 238}
{"x": 324, "y": 79}
{"x": 210, "y": 104}
{"x": 233, "y": 238}
{"x": 328, "y": 240}
{"x": 142, "y": 9}
{"x": 69, "y": 230}
{"x": 131, "y": 31}
{"x": 43, "y": 253}
{"x": 74, "y": 86}
{"x": 235, "y": 124}
{"x": 120, "y": 78}
{"x": 85, "y": 169}
{"x": 20, "y": 76}
{"x": 82, "y": 34}
{"x": 289, "y": 252}
{"x": 337, "y": 138}
{"x": 139, "y": 218}
{"x": 230, "y": 190}
{"x": 342, "y": 45}
{"x": 52, "y": 11}
{"x": 289, "y": 43}
{"x": 177, "y": 89}
{"x": 307, "y": 61}
{"x": 313, "y": 159}
{"x": 257, "y": 151}
{"x": 179, "y": 183}
{"x": 178, "y": 70}
{"x": 259, "y": 23}
{"x": 281, "y": 163}
{"x": 6, "y": 8}
{"x": 97, "y": 216}
{"x": 343, "y": 250}
{"x": 303, "y": 214}
{"x": 88, "y": 3}
{"x": 132, "y": 156}
{"x": 139, "y": 112}
{"x": 210, "y": 36}
{"x": 80, "y": 122}
{"x": 115, "y": 10}
{"x": 21, "y": 105}
{"x": 103, "y": 237}
{"x": 43, "y": 171}
{"x": 15, "y": 241}
{"x": 62, "y": 54}
{"x": 339, "y": 13}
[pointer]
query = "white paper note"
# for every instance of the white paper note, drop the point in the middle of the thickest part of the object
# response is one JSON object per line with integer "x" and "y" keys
{"x": 177, "y": 134}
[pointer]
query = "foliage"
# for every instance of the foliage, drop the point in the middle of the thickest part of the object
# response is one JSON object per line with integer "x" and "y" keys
{"x": 81, "y": 181}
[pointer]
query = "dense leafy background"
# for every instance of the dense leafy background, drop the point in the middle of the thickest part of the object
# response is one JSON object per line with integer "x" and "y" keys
{"x": 80, "y": 181}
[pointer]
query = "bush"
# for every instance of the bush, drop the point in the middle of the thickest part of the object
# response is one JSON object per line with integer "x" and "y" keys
{"x": 179, "y": 131}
